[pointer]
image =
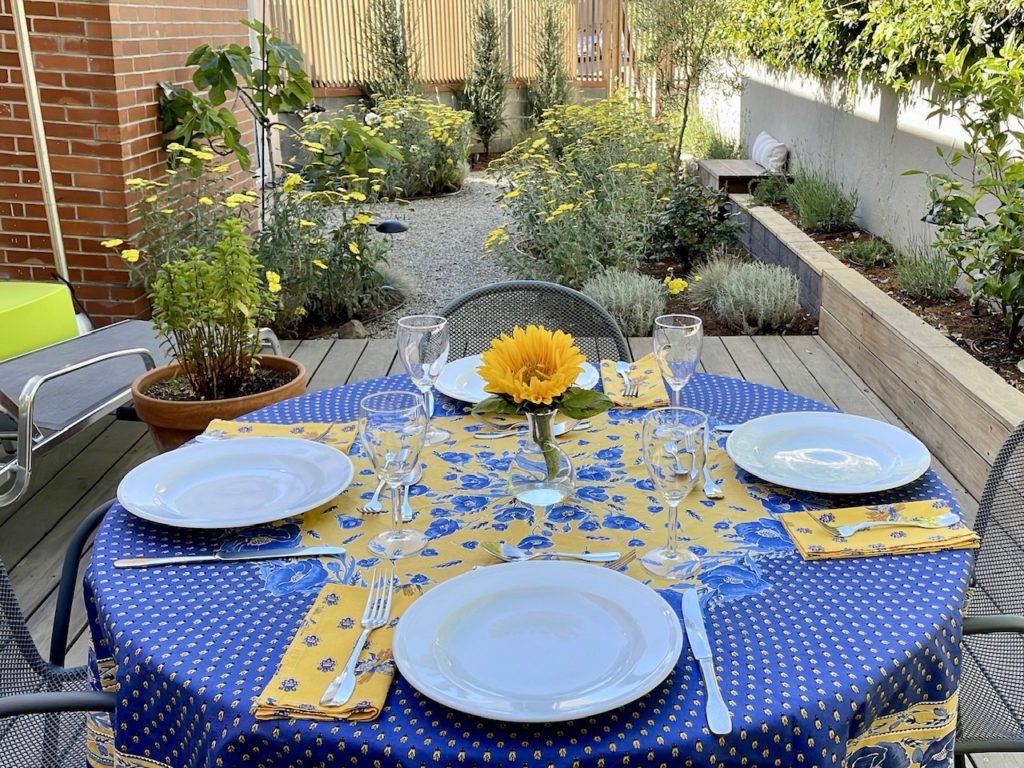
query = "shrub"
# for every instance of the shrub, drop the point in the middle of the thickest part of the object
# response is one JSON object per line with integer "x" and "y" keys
{"x": 868, "y": 252}
{"x": 694, "y": 222}
{"x": 391, "y": 51}
{"x": 770, "y": 190}
{"x": 759, "y": 298}
{"x": 633, "y": 299}
{"x": 925, "y": 273}
{"x": 704, "y": 140}
{"x": 582, "y": 193}
{"x": 823, "y": 205}
{"x": 552, "y": 86}
{"x": 707, "y": 284}
{"x": 486, "y": 89}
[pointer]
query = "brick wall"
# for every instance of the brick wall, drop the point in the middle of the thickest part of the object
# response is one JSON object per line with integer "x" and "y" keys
{"x": 98, "y": 63}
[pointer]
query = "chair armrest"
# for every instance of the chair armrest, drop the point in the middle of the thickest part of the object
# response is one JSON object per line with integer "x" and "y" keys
{"x": 70, "y": 701}
{"x": 983, "y": 625}
{"x": 22, "y": 468}
{"x": 68, "y": 580}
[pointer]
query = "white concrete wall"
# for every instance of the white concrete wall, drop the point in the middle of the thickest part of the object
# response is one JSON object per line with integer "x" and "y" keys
{"x": 865, "y": 142}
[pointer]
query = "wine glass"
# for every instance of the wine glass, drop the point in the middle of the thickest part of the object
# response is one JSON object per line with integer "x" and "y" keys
{"x": 673, "y": 449}
{"x": 677, "y": 343}
{"x": 392, "y": 427}
{"x": 423, "y": 349}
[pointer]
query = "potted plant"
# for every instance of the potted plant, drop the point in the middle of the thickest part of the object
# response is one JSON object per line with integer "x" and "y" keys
{"x": 209, "y": 295}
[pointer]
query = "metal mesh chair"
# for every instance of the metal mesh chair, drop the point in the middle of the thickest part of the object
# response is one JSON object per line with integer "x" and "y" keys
{"x": 42, "y": 702}
{"x": 476, "y": 317}
{"x": 991, "y": 714}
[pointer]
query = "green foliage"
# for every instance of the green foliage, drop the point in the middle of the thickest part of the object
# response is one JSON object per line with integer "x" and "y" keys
{"x": 341, "y": 152}
{"x": 192, "y": 118}
{"x": 981, "y": 217}
{"x": 583, "y": 194}
{"x": 487, "y": 87}
{"x": 207, "y": 306}
{"x": 868, "y": 252}
{"x": 925, "y": 273}
{"x": 770, "y": 190}
{"x": 395, "y": 62}
{"x": 553, "y": 84}
{"x": 704, "y": 140}
{"x": 633, "y": 299}
{"x": 758, "y": 298}
{"x": 885, "y": 41}
{"x": 822, "y": 204}
{"x": 708, "y": 283}
{"x": 693, "y": 223}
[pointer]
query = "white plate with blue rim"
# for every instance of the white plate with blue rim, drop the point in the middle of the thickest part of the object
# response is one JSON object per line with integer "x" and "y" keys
{"x": 828, "y": 452}
{"x": 235, "y": 483}
{"x": 538, "y": 642}
{"x": 460, "y": 381}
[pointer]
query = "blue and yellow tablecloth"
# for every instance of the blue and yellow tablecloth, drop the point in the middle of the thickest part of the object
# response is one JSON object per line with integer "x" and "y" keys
{"x": 821, "y": 662}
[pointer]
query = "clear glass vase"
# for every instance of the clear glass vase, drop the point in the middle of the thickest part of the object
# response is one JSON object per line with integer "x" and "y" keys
{"x": 541, "y": 473}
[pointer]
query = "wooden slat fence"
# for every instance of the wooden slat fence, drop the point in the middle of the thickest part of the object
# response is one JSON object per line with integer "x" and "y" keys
{"x": 333, "y": 36}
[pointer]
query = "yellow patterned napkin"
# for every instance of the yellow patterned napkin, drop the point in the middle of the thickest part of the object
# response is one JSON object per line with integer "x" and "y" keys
{"x": 645, "y": 374}
{"x": 341, "y": 435}
{"x": 815, "y": 542}
{"x": 318, "y": 652}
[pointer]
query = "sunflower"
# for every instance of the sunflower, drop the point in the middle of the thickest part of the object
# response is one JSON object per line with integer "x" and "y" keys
{"x": 532, "y": 366}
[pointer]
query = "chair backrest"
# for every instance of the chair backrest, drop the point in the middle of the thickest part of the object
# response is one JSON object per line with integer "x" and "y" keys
{"x": 999, "y": 567}
{"x": 21, "y": 665}
{"x": 480, "y": 315}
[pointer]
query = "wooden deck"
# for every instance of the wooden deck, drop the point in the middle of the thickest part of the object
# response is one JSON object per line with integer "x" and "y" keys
{"x": 79, "y": 475}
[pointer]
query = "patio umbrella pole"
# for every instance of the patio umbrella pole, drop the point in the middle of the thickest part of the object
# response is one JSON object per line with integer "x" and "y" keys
{"x": 35, "y": 116}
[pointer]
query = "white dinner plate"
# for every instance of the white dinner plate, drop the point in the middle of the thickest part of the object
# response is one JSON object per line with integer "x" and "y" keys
{"x": 828, "y": 452}
{"x": 459, "y": 380}
{"x": 233, "y": 483}
{"x": 538, "y": 642}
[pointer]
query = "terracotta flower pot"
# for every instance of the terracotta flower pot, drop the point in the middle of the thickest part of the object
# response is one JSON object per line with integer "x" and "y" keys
{"x": 173, "y": 422}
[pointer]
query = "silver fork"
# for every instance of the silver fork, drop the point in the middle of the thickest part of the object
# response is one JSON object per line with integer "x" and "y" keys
{"x": 322, "y": 437}
{"x": 373, "y": 506}
{"x": 623, "y": 561}
{"x": 629, "y": 389}
{"x": 375, "y": 616}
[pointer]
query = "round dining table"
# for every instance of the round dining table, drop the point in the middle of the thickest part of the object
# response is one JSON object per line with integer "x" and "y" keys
{"x": 830, "y": 662}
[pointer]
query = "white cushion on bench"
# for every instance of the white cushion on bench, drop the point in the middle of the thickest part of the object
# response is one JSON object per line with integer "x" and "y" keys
{"x": 769, "y": 152}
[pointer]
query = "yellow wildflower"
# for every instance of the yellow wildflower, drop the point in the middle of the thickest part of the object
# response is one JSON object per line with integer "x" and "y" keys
{"x": 131, "y": 255}
{"x": 206, "y": 200}
{"x": 292, "y": 180}
{"x": 362, "y": 219}
{"x": 278, "y": 127}
{"x": 319, "y": 263}
{"x": 112, "y": 242}
{"x": 376, "y": 171}
{"x": 167, "y": 211}
{"x": 273, "y": 281}
{"x": 151, "y": 198}
{"x": 135, "y": 183}
{"x": 222, "y": 168}
{"x": 496, "y": 237}
{"x": 358, "y": 196}
{"x": 175, "y": 147}
{"x": 512, "y": 193}
{"x": 676, "y": 285}
{"x": 354, "y": 247}
{"x": 306, "y": 223}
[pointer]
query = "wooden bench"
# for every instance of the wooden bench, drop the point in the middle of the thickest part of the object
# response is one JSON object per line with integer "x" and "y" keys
{"x": 731, "y": 175}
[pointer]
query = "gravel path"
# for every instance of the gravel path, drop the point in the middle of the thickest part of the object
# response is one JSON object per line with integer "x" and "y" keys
{"x": 442, "y": 255}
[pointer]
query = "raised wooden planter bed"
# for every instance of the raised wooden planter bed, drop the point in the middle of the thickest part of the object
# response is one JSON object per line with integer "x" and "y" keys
{"x": 958, "y": 406}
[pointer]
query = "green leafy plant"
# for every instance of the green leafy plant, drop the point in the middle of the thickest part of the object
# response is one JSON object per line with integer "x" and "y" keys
{"x": 633, "y": 299}
{"x": 868, "y": 252}
{"x": 204, "y": 117}
{"x": 981, "y": 216}
{"x": 693, "y": 223}
{"x": 552, "y": 84}
{"x": 703, "y": 139}
{"x": 759, "y": 298}
{"x": 706, "y": 284}
{"x": 925, "y": 273}
{"x": 340, "y": 152}
{"x": 769, "y": 190}
{"x": 583, "y": 194}
{"x": 822, "y": 204}
{"x": 395, "y": 63}
{"x": 487, "y": 86}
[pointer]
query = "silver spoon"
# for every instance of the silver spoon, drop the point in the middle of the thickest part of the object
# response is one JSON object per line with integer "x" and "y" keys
{"x": 513, "y": 554}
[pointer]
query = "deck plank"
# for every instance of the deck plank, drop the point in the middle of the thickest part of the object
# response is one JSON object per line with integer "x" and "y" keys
{"x": 790, "y": 369}
{"x": 375, "y": 361}
{"x": 716, "y": 358}
{"x": 751, "y": 363}
{"x": 311, "y": 353}
{"x": 338, "y": 363}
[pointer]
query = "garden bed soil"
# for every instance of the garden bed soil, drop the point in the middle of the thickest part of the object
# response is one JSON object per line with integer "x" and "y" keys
{"x": 981, "y": 333}
{"x": 179, "y": 389}
{"x": 804, "y": 325}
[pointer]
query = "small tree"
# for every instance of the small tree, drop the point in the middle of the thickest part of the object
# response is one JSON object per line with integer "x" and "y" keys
{"x": 486, "y": 89}
{"x": 394, "y": 59}
{"x": 687, "y": 44}
{"x": 552, "y": 84}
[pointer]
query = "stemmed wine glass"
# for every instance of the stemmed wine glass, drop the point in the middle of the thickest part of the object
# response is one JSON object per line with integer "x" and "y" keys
{"x": 392, "y": 427}
{"x": 673, "y": 449}
{"x": 423, "y": 349}
{"x": 677, "y": 343}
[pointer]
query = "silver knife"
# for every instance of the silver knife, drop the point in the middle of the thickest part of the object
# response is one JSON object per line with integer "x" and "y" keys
{"x": 228, "y": 557}
{"x": 719, "y": 720}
